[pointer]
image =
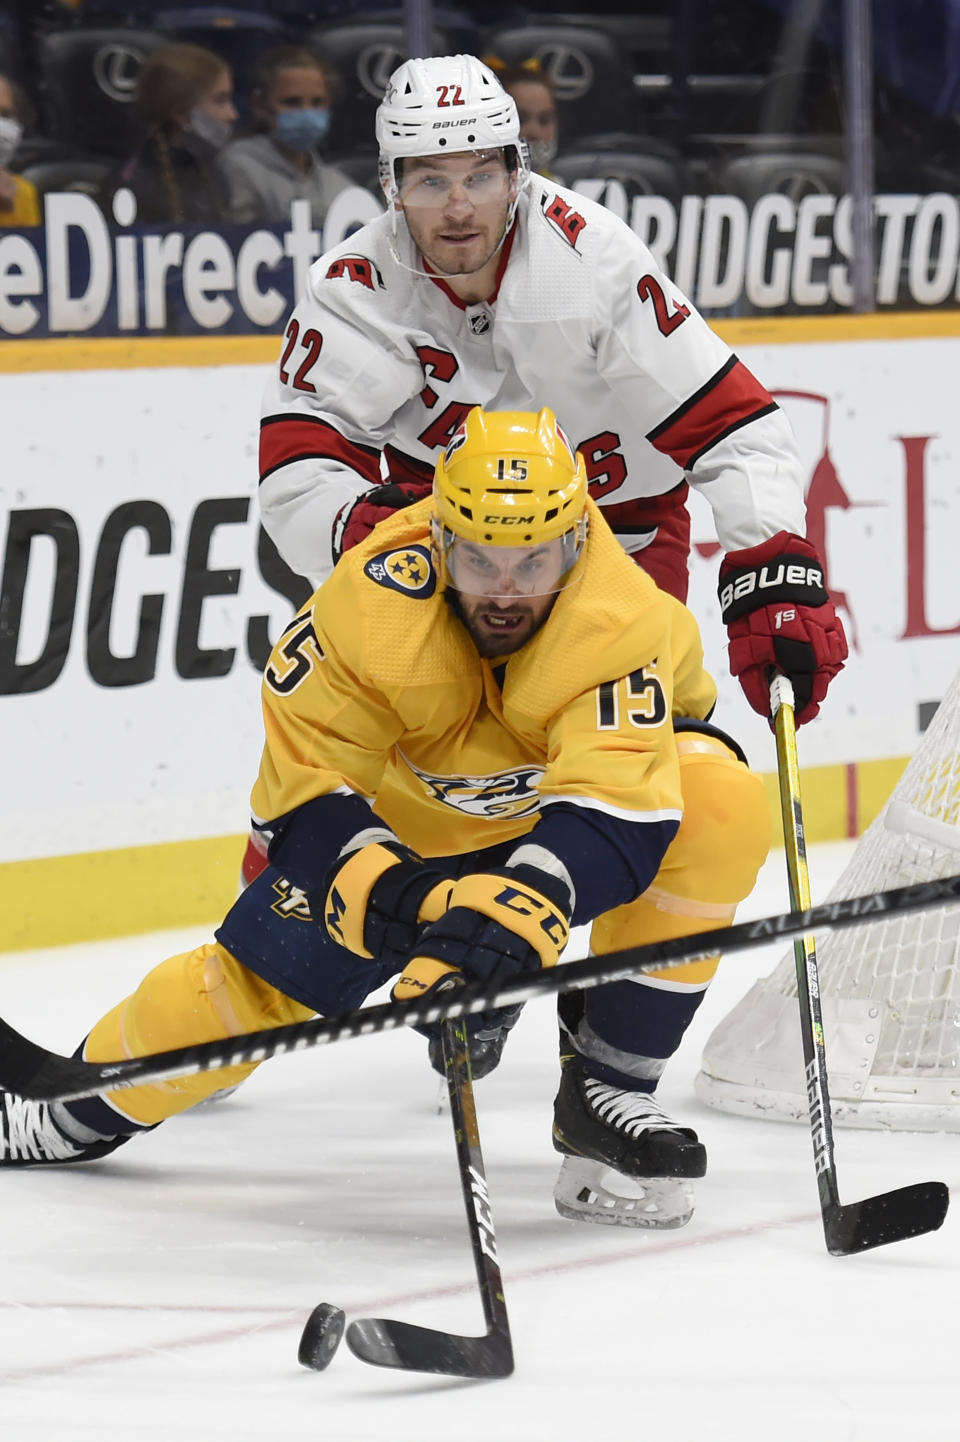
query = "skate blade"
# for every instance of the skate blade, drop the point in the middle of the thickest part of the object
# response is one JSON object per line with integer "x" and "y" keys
{"x": 587, "y": 1191}
{"x": 214, "y": 1099}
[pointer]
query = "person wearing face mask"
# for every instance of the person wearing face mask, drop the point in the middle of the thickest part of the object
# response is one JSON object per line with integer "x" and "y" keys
{"x": 19, "y": 202}
{"x": 281, "y": 162}
{"x": 185, "y": 98}
{"x": 536, "y": 103}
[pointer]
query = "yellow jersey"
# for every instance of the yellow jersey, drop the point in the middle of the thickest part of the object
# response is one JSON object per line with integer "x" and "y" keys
{"x": 376, "y": 689}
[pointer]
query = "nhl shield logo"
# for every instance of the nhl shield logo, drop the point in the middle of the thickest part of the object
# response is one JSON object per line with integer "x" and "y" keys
{"x": 408, "y": 569}
{"x": 479, "y": 321}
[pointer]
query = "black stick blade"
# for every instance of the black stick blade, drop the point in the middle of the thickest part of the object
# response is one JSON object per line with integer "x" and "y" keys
{"x": 31, "y": 1071}
{"x": 891, "y": 1217}
{"x": 385, "y": 1343}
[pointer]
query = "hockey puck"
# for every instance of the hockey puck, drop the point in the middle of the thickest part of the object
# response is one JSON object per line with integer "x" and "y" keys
{"x": 321, "y": 1337}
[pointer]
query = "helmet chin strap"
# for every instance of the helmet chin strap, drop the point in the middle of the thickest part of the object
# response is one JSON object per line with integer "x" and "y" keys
{"x": 443, "y": 274}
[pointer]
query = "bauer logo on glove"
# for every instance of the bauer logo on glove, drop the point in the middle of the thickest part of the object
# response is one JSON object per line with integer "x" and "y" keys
{"x": 775, "y": 583}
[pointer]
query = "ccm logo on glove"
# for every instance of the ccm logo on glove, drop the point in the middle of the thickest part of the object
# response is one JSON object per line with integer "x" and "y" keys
{"x": 492, "y": 926}
{"x": 526, "y": 904}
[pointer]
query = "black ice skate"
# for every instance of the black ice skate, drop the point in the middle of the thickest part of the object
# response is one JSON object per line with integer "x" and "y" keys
{"x": 31, "y": 1137}
{"x": 626, "y": 1162}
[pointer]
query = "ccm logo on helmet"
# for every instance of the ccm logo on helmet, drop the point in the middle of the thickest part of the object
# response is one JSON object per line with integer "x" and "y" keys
{"x": 770, "y": 577}
{"x": 508, "y": 520}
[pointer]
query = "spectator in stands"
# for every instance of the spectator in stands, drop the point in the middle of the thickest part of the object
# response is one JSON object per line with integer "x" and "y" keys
{"x": 185, "y": 98}
{"x": 19, "y": 202}
{"x": 281, "y": 162}
{"x": 536, "y": 101}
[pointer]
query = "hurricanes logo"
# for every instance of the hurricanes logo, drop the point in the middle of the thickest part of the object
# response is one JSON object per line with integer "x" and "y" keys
{"x": 356, "y": 267}
{"x": 566, "y": 441}
{"x": 408, "y": 569}
{"x": 291, "y": 901}
{"x": 455, "y": 442}
{"x": 569, "y": 222}
{"x": 505, "y": 793}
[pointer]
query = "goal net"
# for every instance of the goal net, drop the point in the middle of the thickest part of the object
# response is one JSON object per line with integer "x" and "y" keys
{"x": 890, "y": 990}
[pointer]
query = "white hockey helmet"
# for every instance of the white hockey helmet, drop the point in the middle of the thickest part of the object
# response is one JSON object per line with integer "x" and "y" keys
{"x": 441, "y": 105}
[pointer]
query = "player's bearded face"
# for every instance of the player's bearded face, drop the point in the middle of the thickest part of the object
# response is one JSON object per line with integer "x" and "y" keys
{"x": 499, "y": 626}
{"x": 503, "y": 595}
{"x": 456, "y": 207}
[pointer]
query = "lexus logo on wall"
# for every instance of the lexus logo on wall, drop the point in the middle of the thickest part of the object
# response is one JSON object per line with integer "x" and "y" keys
{"x": 570, "y": 70}
{"x": 115, "y": 70}
{"x": 375, "y": 65}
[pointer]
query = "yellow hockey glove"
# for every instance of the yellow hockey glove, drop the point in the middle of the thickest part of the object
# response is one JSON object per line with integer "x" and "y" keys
{"x": 496, "y": 924}
{"x": 377, "y": 900}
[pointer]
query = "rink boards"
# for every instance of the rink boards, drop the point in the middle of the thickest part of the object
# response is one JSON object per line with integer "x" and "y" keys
{"x": 138, "y": 601}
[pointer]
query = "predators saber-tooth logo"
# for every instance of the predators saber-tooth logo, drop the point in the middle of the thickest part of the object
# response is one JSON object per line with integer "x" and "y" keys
{"x": 505, "y": 793}
{"x": 291, "y": 902}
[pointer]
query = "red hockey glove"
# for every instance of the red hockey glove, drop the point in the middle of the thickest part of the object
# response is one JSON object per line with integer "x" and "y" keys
{"x": 778, "y": 615}
{"x": 357, "y": 519}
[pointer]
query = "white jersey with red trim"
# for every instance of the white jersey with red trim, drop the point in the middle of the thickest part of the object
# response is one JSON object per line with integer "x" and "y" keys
{"x": 380, "y": 364}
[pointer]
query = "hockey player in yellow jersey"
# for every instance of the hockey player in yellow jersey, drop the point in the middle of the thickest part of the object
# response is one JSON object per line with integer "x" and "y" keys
{"x": 486, "y": 727}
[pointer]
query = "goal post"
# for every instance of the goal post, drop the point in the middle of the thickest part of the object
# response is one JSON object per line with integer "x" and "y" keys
{"x": 890, "y": 990}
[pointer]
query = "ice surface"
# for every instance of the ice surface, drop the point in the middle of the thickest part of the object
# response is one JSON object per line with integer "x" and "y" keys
{"x": 160, "y": 1293}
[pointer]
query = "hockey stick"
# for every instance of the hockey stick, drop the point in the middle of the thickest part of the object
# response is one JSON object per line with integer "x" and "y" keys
{"x": 32, "y": 1071}
{"x": 423, "y": 1349}
{"x": 892, "y": 1216}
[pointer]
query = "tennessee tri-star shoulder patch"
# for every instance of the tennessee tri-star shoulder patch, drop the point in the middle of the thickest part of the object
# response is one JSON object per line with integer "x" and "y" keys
{"x": 408, "y": 569}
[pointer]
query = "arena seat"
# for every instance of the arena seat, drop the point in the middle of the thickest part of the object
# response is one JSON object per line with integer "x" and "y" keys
{"x": 88, "y": 78}
{"x": 592, "y": 80}
{"x": 85, "y": 174}
{"x": 361, "y": 166}
{"x": 11, "y": 59}
{"x": 790, "y": 172}
{"x": 364, "y": 54}
{"x": 616, "y": 173}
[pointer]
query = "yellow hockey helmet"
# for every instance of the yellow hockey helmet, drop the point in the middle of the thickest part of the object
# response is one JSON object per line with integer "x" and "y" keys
{"x": 510, "y": 479}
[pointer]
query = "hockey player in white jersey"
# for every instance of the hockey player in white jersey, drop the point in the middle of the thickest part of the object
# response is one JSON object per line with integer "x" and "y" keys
{"x": 483, "y": 284}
